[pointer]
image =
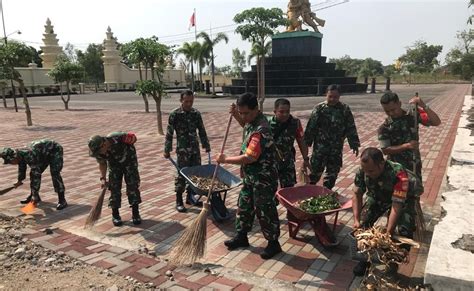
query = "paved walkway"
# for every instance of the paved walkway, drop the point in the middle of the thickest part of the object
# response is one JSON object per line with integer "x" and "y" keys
{"x": 304, "y": 263}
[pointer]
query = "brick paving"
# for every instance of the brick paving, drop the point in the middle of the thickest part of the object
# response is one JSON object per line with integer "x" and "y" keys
{"x": 304, "y": 263}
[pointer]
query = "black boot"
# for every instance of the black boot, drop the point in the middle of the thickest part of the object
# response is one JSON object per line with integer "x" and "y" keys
{"x": 179, "y": 203}
{"x": 62, "y": 203}
{"x": 239, "y": 241}
{"x": 116, "y": 219}
{"x": 271, "y": 250}
{"x": 28, "y": 199}
{"x": 136, "y": 219}
{"x": 361, "y": 268}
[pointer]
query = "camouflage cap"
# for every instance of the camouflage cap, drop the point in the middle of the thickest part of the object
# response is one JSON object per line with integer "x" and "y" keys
{"x": 8, "y": 155}
{"x": 94, "y": 144}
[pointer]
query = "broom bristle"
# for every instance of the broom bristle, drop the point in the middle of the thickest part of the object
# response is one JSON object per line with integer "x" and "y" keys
{"x": 419, "y": 222}
{"x": 96, "y": 210}
{"x": 192, "y": 244}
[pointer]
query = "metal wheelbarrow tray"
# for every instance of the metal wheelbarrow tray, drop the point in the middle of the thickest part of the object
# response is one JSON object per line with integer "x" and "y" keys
{"x": 218, "y": 209}
{"x": 289, "y": 198}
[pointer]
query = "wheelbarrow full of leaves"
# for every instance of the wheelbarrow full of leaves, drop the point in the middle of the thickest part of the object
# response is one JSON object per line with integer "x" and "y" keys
{"x": 311, "y": 204}
{"x": 199, "y": 180}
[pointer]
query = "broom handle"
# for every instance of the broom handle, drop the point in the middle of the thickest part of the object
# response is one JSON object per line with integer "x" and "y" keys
{"x": 217, "y": 166}
{"x": 415, "y": 116}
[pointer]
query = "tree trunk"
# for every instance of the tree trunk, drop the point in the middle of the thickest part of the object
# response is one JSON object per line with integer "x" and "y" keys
{"x": 159, "y": 120}
{"x": 262, "y": 81}
{"x": 29, "y": 121}
{"x": 192, "y": 76}
{"x": 145, "y": 99}
{"x": 4, "y": 98}
{"x": 258, "y": 77}
{"x": 213, "y": 73}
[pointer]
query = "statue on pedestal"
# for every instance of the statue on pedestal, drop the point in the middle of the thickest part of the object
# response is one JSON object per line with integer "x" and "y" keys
{"x": 302, "y": 8}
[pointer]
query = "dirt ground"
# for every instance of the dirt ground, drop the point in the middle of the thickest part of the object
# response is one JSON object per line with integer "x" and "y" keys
{"x": 25, "y": 265}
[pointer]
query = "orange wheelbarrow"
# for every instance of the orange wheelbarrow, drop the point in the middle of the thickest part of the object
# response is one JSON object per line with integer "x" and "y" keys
{"x": 289, "y": 198}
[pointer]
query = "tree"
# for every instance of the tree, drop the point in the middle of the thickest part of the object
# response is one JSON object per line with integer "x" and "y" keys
{"x": 155, "y": 55}
{"x": 134, "y": 52}
{"x": 91, "y": 61}
{"x": 10, "y": 54}
{"x": 371, "y": 68}
{"x": 224, "y": 70}
{"x": 257, "y": 25}
{"x": 70, "y": 52}
{"x": 65, "y": 70}
{"x": 421, "y": 57}
{"x": 348, "y": 64}
{"x": 460, "y": 59}
{"x": 238, "y": 60}
{"x": 190, "y": 52}
{"x": 203, "y": 55}
{"x": 210, "y": 44}
{"x": 471, "y": 3}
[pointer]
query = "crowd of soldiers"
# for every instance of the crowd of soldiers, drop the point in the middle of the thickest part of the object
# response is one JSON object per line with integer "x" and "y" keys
{"x": 391, "y": 185}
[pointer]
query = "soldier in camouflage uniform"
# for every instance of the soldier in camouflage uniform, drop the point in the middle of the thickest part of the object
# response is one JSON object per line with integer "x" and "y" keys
{"x": 389, "y": 187}
{"x": 328, "y": 126}
{"x": 398, "y": 135}
{"x": 116, "y": 152}
{"x": 286, "y": 129}
{"x": 258, "y": 168}
{"x": 38, "y": 155}
{"x": 186, "y": 121}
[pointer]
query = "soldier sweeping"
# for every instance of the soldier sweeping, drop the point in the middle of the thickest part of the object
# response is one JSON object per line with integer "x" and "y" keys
{"x": 328, "y": 126}
{"x": 389, "y": 187}
{"x": 116, "y": 152}
{"x": 258, "y": 167}
{"x": 38, "y": 156}
{"x": 398, "y": 135}
{"x": 186, "y": 121}
{"x": 286, "y": 129}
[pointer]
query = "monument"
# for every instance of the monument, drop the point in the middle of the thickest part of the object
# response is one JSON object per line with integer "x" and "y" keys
{"x": 296, "y": 66}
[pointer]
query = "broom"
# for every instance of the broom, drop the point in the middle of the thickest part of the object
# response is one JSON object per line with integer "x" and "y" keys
{"x": 419, "y": 220}
{"x": 96, "y": 210}
{"x": 191, "y": 245}
{"x": 6, "y": 190}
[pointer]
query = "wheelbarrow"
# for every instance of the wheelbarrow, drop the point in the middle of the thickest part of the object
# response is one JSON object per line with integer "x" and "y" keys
{"x": 289, "y": 198}
{"x": 218, "y": 209}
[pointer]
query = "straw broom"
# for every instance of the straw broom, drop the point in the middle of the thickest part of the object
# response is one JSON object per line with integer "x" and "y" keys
{"x": 96, "y": 210}
{"x": 191, "y": 245}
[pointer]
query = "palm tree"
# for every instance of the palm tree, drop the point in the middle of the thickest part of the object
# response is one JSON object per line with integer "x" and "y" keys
{"x": 191, "y": 52}
{"x": 211, "y": 43}
{"x": 260, "y": 52}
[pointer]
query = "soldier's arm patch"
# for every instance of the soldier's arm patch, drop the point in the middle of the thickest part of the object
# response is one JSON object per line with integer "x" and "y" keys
{"x": 400, "y": 189}
{"x": 130, "y": 138}
{"x": 254, "y": 148}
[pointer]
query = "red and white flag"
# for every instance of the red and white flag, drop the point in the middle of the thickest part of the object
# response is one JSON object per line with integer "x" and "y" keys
{"x": 192, "y": 21}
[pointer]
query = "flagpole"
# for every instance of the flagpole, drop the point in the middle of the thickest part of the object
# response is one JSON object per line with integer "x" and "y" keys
{"x": 195, "y": 26}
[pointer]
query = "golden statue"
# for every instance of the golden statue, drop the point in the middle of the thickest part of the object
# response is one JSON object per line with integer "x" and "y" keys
{"x": 297, "y": 8}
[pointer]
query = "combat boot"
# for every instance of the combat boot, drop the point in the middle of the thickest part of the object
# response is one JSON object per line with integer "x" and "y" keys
{"x": 116, "y": 219}
{"x": 28, "y": 199}
{"x": 239, "y": 241}
{"x": 179, "y": 203}
{"x": 136, "y": 219}
{"x": 271, "y": 250}
{"x": 62, "y": 203}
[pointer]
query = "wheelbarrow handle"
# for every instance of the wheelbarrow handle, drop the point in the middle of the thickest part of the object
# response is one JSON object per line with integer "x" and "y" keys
{"x": 174, "y": 163}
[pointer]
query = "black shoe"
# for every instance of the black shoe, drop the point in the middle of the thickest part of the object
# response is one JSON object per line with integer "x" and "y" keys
{"x": 136, "y": 219}
{"x": 361, "y": 268}
{"x": 180, "y": 208}
{"x": 116, "y": 219}
{"x": 28, "y": 199}
{"x": 239, "y": 241}
{"x": 61, "y": 205}
{"x": 391, "y": 270}
{"x": 271, "y": 250}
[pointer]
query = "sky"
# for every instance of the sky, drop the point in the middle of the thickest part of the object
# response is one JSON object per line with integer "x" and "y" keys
{"x": 380, "y": 29}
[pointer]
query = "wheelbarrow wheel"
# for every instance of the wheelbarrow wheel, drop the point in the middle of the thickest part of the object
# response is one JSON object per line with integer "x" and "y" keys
{"x": 218, "y": 209}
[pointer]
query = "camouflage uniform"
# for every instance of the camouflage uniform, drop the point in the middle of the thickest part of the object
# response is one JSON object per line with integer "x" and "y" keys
{"x": 395, "y": 184}
{"x": 284, "y": 135}
{"x": 327, "y": 128}
{"x": 259, "y": 184}
{"x": 397, "y": 131}
{"x": 39, "y": 155}
{"x": 122, "y": 163}
{"x": 186, "y": 123}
